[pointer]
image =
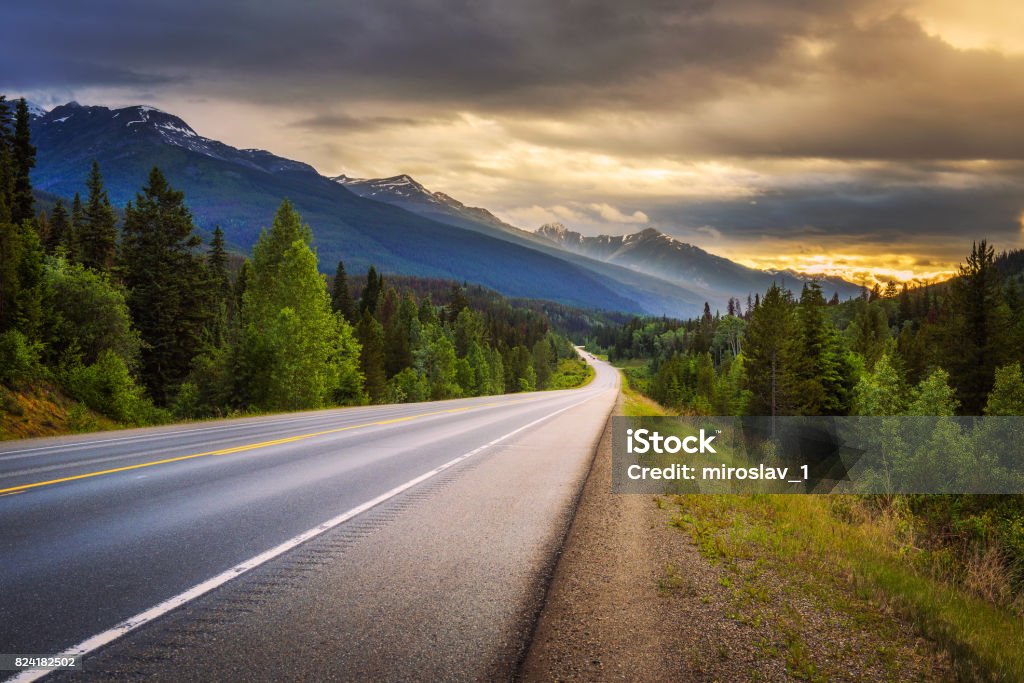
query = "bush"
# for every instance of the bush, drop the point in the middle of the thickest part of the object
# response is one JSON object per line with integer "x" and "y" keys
{"x": 19, "y": 358}
{"x": 108, "y": 387}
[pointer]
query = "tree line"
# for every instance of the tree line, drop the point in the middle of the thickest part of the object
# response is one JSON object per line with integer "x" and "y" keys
{"x": 960, "y": 342}
{"x": 136, "y": 318}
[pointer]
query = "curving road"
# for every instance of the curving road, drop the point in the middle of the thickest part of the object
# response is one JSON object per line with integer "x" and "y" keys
{"x": 405, "y": 542}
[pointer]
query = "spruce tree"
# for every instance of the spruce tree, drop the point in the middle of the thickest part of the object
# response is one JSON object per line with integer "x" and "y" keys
{"x": 371, "y": 357}
{"x": 97, "y": 237}
{"x": 24, "y": 158}
{"x": 771, "y": 353}
{"x": 978, "y": 328}
{"x": 371, "y": 292}
{"x": 60, "y": 228}
{"x": 221, "y": 295}
{"x": 341, "y": 296}
{"x": 166, "y": 280}
{"x": 76, "y": 227}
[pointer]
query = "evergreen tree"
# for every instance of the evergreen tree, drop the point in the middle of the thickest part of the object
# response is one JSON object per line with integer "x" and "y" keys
{"x": 402, "y": 335}
{"x": 543, "y": 363}
{"x": 221, "y": 295}
{"x": 75, "y": 229}
{"x": 217, "y": 263}
{"x": 341, "y": 296}
{"x": 97, "y": 236}
{"x": 771, "y": 355}
{"x": 24, "y": 157}
{"x": 821, "y": 374}
{"x": 371, "y": 358}
{"x": 371, "y": 292}
{"x": 166, "y": 280}
{"x": 978, "y": 330}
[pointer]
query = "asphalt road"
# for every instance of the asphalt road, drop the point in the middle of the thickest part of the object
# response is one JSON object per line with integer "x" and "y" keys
{"x": 408, "y": 542}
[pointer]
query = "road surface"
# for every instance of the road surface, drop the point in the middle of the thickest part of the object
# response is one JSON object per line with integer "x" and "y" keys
{"x": 404, "y": 542}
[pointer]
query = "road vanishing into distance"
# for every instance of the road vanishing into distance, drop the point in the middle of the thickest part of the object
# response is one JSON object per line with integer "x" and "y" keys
{"x": 397, "y": 542}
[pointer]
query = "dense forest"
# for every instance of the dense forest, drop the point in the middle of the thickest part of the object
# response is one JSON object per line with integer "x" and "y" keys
{"x": 129, "y": 313}
{"x": 946, "y": 349}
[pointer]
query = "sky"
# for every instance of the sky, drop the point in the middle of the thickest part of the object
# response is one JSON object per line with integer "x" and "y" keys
{"x": 869, "y": 138}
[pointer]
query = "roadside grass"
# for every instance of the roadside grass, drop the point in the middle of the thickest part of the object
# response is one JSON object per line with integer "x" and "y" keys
{"x": 43, "y": 410}
{"x": 779, "y": 550}
{"x": 635, "y": 404}
{"x": 571, "y": 373}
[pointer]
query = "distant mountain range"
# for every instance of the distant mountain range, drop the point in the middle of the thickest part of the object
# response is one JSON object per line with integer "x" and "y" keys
{"x": 661, "y": 255}
{"x": 394, "y": 223}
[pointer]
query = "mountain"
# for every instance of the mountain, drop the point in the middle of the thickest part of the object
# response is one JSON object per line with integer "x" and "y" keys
{"x": 663, "y": 256}
{"x": 239, "y": 189}
{"x": 404, "y": 191}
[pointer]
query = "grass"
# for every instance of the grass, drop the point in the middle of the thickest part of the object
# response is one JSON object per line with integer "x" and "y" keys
{"x": 571, "y": 373}
{"x": 858, "y": 565}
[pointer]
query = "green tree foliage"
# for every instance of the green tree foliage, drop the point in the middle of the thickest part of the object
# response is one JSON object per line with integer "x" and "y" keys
{"x": 24, "y": 158}
{"x": 772, "y": 356}
{"x": 167, "y": 283}
{"x": 371, "y": 359}
{"x": 341, "y": 296}
{"x": 881, "y": 391}
{"x": 290, "y": 357}
{"x": 1007, "y": 397}
{"x": 59, "y": 234}
{"x": 978, "y": 339}
{"x": 371, "y": 292}
{"x": 88, "y": 316}
{"x": 96, "y": 237}
{"x": 933, "y": 396}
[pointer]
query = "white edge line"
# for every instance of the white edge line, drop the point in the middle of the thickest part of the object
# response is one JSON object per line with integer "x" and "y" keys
{"x": 110, "y": 635}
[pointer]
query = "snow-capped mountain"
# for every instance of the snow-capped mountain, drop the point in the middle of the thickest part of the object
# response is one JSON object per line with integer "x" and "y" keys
{"x": 653, "y": 252}
{"x": 408, "y": 193}
{"x": 143, "y": 123}
{"x": 240, "y": 189}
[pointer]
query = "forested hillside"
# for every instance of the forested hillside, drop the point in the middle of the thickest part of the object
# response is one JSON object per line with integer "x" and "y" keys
{"x": 128, "y": 313}
{"x": 941, "y": 350}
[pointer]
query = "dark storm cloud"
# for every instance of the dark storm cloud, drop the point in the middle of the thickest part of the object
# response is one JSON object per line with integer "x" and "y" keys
{"x": 345, "y": 122}
{"x": 787, "y": 78}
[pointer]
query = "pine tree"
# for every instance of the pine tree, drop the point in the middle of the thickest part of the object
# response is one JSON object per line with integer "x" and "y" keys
{"x": 772, "y": 355}
{"x": 24, "y": 156}
{"x": 371, "y": 357}
{"x": 978, "y": 331}
{"x": 75, "y": 228}
{"x": 167, "y": 283}
{"x": 371, "y": 292}
{"x": 217, "y": 263}
{"x": 341, "y": 296}
{"x": 221, "y": 295}
{"x": 820, "y": 374}
{"x": 97, "y": 236}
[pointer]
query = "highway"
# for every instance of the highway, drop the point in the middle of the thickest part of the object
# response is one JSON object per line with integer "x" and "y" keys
{"x": 399, "y": 542}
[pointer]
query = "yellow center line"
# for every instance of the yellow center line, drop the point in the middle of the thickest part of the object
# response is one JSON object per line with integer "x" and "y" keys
{"x": 248, "y": 447}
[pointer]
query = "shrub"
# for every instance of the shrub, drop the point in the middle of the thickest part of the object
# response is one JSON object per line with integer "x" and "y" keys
{"x": 108, "y": 387}
{"x": 19, "y": 358}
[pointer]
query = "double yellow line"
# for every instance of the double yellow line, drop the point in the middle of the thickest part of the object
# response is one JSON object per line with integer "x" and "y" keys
{"x": 240, "y": 449}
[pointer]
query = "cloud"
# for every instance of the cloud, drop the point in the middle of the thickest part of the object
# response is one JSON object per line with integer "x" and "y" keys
{"x": 613, "y": 215}
{"x": 845, "y": 122}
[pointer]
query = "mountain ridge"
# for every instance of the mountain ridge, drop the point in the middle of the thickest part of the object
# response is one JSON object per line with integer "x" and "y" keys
{"x": 239, "y": 189}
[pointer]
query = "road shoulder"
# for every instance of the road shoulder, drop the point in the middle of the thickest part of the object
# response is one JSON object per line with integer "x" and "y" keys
{"x": 633, "y": 597}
